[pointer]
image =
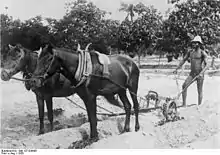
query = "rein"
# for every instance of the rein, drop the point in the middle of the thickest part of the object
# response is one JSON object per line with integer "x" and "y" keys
{"x": 18, "y": 79}
{"x": 24, "y": 80}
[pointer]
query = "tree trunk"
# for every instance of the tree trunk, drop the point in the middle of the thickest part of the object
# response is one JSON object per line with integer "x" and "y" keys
{"x": 131, "y": 20}
{"x": 159, "y": 58}
{"x": 139, "y": 60}
{"x": 213, "y": 62}
{"x": 140, "y": 53}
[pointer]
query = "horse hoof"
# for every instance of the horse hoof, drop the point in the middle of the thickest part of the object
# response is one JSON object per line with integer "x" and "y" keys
{"x": 83, "y": 143}
{"x": 94, "y": 139}
{"x": 137, "y": 128}
{"x": 184, "y": 105}
{"x": 51, "y": 128}
{"x": 41, "y": 132}
{"x": 127, "y": 130}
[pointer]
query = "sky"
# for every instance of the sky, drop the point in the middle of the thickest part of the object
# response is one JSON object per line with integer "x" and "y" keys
{"x": 25, "y": 9}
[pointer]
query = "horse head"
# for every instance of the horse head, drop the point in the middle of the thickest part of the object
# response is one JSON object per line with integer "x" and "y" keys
{"x": 53, "y": 60}
{"x": 45, "y": 57}
{"x": 16, "y": 61}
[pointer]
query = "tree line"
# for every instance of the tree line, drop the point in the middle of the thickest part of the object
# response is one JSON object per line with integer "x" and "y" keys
{"x": 143, "y": 30}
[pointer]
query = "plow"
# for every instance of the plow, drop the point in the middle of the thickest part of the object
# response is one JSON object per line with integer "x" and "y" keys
{"x": 167, "y": 105}
{"x": 168, "y": 109}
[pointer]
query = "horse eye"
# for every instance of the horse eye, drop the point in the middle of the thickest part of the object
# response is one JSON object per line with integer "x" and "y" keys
{"x": 51, "y": 58}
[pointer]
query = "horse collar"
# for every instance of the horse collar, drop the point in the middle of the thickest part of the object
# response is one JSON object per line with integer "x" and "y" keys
{"x": 84, "y": 68}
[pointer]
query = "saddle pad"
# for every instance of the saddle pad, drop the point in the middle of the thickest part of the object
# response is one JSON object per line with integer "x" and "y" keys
{"x": 103, "y": 58}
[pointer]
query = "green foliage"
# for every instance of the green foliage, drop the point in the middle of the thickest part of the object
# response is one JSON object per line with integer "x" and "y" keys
{"x": 30, "y": 33}
{"x": 83, "y": 23}
{"x": 134, "y": 34}
{"x": 143, "y": 27}
{"x": 189, "y": 19}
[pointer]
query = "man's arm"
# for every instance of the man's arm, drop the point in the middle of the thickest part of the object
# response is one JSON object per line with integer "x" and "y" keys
{"x": 205, "y": 60}
{"x": 185, "y": 58}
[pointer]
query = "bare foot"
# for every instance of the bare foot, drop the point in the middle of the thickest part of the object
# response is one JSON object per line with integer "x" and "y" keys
{"x": 184, "y": 105}
{"x": 197, "y": 107}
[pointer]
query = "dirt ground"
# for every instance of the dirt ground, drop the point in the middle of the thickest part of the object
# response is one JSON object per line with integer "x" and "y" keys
{"x": 200, "y": 127}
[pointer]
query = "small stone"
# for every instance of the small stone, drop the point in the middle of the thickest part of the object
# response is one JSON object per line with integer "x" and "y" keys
{"x": 144, "y": 133}
{"x": 197, "y": 135}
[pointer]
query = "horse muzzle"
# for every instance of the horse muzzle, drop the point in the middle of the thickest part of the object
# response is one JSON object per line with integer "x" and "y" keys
{"x": 5, "y": 75}
{"x": 36, "y": 83}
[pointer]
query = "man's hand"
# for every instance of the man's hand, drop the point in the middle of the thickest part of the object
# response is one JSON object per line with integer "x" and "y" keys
{"x": 175, "y": 71}
{"x": 200, "y": 76}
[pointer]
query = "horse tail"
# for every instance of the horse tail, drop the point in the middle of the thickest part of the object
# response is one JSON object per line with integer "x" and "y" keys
{"x": 133, "y": 88}
{"x": 134, "y": 74}
{"x": 133, "y": 81}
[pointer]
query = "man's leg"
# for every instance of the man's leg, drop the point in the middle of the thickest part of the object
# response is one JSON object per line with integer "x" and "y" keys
{"x": 185, "y": 84}
{"x": 200, "y": 81}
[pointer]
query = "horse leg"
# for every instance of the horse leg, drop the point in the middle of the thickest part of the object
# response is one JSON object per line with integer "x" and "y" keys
{"x": 49, "y": 103}
{"x": 91, "y": 111}
{"x": 40, "y": 103}
{"x": 133, "y": 93}
{"x": 91, "y": 107}
{"x": 133, "y": 88}
{"x": 127, "y": 107}
{"x": 111, "y": 99}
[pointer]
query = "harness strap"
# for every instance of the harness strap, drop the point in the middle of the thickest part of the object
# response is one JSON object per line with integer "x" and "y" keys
{"x": 80, "y": 67}
{"x": 84, "y": 68}
{"x": 88, "y": 65}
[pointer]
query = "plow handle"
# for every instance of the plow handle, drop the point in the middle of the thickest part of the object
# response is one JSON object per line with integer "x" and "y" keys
{"x": 178, "y": 95}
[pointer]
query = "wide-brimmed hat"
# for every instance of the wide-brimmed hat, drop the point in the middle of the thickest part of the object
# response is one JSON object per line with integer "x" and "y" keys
{"x": 197, "y": 39}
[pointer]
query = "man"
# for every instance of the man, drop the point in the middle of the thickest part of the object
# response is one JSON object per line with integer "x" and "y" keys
{"x": 198, "y": 60}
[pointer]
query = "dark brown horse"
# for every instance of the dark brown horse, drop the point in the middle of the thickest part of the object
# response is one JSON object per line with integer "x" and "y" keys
{"x": 124, "y": 74}
{"x": 25, "y": 61}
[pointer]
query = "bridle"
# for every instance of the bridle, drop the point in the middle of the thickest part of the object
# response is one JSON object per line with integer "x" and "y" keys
{"x": 18, "y": 67}
{"x": 46, "y": 75}
{"x": 61, "y": 69}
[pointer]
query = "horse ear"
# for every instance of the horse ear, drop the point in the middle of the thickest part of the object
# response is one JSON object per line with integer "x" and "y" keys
{"x": 78, "y": 47}
{"x": 18, "y": 46}
{"x": 49, "y": 48}
{"x": 39, "y": 51}
{"x": 10, "y": 46}
{"x": 87, "y": 47}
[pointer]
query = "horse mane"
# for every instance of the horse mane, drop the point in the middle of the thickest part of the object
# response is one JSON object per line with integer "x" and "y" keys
{"x": 65, "y": 50}
{"x": 32, "y": 62}
{"x": 50, "y": 48}
{"x": 24, "y": 48}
